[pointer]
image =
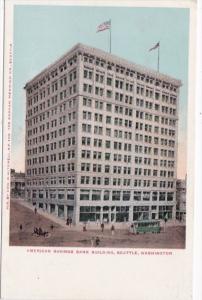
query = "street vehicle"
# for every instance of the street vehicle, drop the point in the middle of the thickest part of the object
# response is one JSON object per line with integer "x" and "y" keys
{"x": 147, "y": 226}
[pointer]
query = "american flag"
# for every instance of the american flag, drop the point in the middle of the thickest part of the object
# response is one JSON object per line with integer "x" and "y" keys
{"x": 155, "y": 47}
{"x": 104, "y": 26}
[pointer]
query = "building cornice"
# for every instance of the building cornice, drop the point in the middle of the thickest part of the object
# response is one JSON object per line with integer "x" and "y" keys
{"x": 111, "y": 58}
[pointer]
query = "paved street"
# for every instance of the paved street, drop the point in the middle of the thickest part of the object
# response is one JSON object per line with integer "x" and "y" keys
{"x": 64, "y": 236}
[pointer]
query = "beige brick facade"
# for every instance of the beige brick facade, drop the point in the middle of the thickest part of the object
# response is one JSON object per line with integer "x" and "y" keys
{"x": 101, "y": 139}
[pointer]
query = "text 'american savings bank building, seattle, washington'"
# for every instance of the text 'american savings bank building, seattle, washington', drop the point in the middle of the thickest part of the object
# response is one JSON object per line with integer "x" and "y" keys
{"x": 101, "y": 139}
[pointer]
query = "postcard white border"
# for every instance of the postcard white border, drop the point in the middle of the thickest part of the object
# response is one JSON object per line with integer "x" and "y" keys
{"x": 82, "y": 276}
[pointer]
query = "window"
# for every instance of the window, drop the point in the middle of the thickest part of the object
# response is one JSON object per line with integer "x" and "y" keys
{"x": 109, "y": 81}
{"x": 108, "y": 144}
{"x": 170, "y": 196}
{"x": 96, "y": 195}
{"x": 146, "y": 196}
{"x": 137, "y": 196}
{"x": 107, "y": 168}
{"x": 126, "y": 195}
{"x": 109, "y": 107}
{"x": 107, "y": 156}
{"x": 106, "y": 195}
{"x": 70, "y": 194}
{"x": 108, "y": 119}
{"x": 162, "y": 196}
{"x": 84, "y": 194}
{"x": 116, "y": 195}
{"x": 109, "y": 94}
{"x": 108, "y": 131}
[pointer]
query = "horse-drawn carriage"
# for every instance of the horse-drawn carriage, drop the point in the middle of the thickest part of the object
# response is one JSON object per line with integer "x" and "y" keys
{"x": 39, "y": 232}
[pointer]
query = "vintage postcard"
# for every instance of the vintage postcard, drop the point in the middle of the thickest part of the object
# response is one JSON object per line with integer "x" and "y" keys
{"x": 98, "y": 195}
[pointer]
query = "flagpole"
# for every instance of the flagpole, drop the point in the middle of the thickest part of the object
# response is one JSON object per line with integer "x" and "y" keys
{"x": 158, "y": 56}
{"x": 110, "y": 38}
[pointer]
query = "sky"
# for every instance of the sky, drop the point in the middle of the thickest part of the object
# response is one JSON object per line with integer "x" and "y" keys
{"x": 44, "y": 33}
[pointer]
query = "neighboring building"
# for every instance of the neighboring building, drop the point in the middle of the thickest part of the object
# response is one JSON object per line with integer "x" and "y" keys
{"x": 17, "y": 184}
{"x": 101, "y": 139}
{"x": 181, "y": 200}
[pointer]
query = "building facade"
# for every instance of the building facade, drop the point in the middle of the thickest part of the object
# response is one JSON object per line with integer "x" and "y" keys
{"x": 101, "y": 139}
{"x": 181, "y": 200}
{"x": 17, "y": 184}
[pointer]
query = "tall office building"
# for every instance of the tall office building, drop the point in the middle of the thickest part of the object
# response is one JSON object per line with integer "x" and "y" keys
{"x": 101, "y": 139}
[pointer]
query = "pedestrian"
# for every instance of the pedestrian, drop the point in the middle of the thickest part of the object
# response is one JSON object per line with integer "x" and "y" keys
{"x": 132, "y": 228}
{"x": 67, "y": 222}
{"x": 102, "y": 227}
{"x": 165, "y": 220}
{"x": 20, "y": 226}
{"x": 97, "y": 241}
{"x": 135, "y": 228}
{"x": 84, "y": 227}
{"x": 112, "y": 229}
{"x": 70, "y": 222}
{"x": 35, "y": 210}
{"x": 51, "y": 226}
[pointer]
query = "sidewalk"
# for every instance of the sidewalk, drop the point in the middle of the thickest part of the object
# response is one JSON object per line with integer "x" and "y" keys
{"x": 62, "y": 222}
{"x": 43, "y": 213}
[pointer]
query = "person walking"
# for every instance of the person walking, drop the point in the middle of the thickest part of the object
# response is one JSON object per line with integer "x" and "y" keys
{"x": 135, "y": 228}
{"x": 102, "y": 227}
{"x": 112, "y": 229}
{"x": 70, "y": 221}
{"x": 132, "y": 228}
{"x": 35, "y": 210}
{"x": 84, "y": 227}
{"x": 20, "y": 226}
{"x": 97, "y": 241}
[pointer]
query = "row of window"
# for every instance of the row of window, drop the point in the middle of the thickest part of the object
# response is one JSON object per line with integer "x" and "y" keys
{"x": 51, "y": 87}
{"x": 128, "y": 112}
{"x": 87, "y": 180}
{"x": 52, "y": 194}
{"x": 87, "y": 154}
{"x": 117, "y": 195}
{"x": 52, "y": 135}
{"x": 121, "y": 96}
{"x": 60, "y": 180}
{"x": 106, "y": 195}
{"x": 46, "y": 104}
{"x": 51, "y": 124}
{"x": 69, "y": 104}
{"x": 121, "y": 70}
{"x": 117, "y": 83}
{"x": 69, "y": 154}
{"x": 127, "y": 136}
{"x": 100, "y": 168}
{"x": 88, "y": 128}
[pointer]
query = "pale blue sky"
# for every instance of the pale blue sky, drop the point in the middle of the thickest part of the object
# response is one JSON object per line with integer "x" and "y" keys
{"x": 43, "y": 33}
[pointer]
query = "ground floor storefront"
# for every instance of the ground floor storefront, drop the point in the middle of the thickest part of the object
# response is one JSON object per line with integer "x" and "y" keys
{"x": 125, "y": 213}
{"x": 108, "y": 213}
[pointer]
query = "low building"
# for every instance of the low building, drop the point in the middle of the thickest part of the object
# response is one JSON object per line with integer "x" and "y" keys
{"x": 17, "y": 184}
{"x": 181, "y": 200}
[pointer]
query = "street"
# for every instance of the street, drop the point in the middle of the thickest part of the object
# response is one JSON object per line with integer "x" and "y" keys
{"x": 24, "y": 220}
